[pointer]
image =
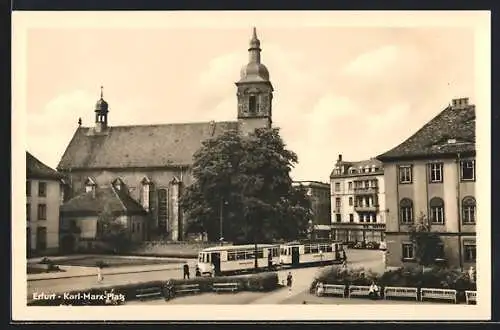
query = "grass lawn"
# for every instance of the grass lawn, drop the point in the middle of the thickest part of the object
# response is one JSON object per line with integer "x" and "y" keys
{"x": 112, "y": 261}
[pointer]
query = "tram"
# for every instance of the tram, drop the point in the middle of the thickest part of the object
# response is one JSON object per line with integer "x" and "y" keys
{"x": 232, "y": 259}
{"x": 310, "y": 252}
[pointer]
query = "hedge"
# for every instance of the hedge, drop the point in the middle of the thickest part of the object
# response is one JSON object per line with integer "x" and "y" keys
{"x": 252, "y": 282}
{"x": 402, "y": 277}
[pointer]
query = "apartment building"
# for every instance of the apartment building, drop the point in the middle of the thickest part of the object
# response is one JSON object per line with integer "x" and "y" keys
{"x": 43, "y": 200}
{"x": 433, "y": 174}
{"x": 358, "y": 200}
{"x": 319, "y": 193}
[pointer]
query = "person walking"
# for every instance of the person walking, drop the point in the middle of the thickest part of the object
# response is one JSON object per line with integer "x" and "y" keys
{"x": 99, "y": 274}
{"x": 197, "y": 272}
{"x": 344, "y": 259}
{"x": 186, "y": 271}
{"x": 289, "y": 280}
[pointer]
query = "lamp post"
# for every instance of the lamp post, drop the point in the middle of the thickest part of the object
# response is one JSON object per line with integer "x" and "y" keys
{"x": 221, "y": 229}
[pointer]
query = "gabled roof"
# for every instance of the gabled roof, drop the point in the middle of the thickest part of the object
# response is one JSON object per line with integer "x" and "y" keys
{"x": 355, "y": 165}
{"x": 35, "y": 169}
{"x": 139, "y": 145}
{"x": 452, "y": 131}
{"x": 116, "y": 201}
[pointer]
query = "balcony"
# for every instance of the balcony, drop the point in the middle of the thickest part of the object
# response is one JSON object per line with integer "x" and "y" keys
{"x": 366, "y": 208}
{"x": 366, "y": 191}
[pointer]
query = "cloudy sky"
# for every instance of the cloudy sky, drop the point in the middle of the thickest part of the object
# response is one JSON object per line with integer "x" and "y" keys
{"x": 351, "y": 90}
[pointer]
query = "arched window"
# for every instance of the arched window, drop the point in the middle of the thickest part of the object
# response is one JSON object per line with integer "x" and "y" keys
{"x": 437, "y": 210}
{"x": 252, "y": 104}
{"x": 406, "y": 211}
{"x": 469, "y": 210}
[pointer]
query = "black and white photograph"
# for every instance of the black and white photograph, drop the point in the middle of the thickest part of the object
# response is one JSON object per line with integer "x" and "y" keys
{"x": 287, "y": 165}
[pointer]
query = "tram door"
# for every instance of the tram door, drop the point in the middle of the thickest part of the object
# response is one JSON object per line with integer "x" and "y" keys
{"x": 215, "y": 257}
{"x": 295, "y": 256}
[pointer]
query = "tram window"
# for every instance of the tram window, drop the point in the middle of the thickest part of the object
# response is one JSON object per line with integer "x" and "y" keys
{"x": 314, "y": 249}
{"x": 249, "y": 255}
{"x": 307, "y": 249}
{"x": 200, "y": 257}
{"x": 283, "y": 251}
{"x": 275, "y": 252}
{"x": 231, "y": 256}
{"x": 240, "y": 255}
{"x": 260, "y": 254}
{"x": 328, "y": 248}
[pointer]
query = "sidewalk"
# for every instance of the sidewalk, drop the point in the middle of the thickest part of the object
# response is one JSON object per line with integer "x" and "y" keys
{"x": 78, "y": 271}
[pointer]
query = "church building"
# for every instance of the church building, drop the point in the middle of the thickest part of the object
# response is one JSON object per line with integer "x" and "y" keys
{"x": 152, "y": 163}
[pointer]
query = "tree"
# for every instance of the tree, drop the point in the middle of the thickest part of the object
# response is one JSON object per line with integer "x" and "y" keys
{"x": 246, "y": 179}
{"x": 112, "y": 231}
{"x": 427, "y": 243}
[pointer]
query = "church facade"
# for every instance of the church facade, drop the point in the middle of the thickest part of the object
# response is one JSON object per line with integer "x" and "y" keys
{"x": 153, "y": 163}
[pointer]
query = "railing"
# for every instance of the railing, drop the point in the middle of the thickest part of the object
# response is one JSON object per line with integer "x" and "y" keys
{"x": 365, "y": 190}
{"x": 366, "y": 208}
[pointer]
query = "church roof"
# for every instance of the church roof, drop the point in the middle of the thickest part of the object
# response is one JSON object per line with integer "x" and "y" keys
{"x": 139, "y": 145}
{"x": 35, "y": 169}
{"x": 114, "y": 200}
{"x": 452, "y": 131}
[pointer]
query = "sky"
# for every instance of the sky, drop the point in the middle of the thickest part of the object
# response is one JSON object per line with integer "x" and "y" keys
{"x": 352, "y": 90}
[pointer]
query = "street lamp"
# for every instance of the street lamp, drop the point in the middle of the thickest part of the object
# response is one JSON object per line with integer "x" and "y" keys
{"x": 221, "y": 211}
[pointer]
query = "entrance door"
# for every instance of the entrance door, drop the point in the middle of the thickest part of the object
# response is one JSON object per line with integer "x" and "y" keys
{"x": 295, "y": 256}
{"x": 215, "y": 257}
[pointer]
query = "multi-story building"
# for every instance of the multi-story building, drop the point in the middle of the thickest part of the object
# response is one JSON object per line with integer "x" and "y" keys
{"x": 319, "y": 193}
{"x": 433, "y": 174}
{"x": 43, "y": 200}
{"x": 358, "y": 200}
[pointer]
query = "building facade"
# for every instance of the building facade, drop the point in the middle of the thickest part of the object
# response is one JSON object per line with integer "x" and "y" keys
{"x": 358, "y": 201}
{"x": 154, "y": 161}
{"x": 43, "y": 201}
{"x": 319, "y": 194}
{"x": 85, "y": 216}
{"x": 431, "y": 176}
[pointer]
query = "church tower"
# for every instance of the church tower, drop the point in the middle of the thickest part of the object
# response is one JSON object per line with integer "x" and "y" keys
{"x": 254, "y": 92}
{"x": 101, "y": 114}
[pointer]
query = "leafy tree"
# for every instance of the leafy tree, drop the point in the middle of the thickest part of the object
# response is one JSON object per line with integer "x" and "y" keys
{"x": 246, "y": 180}
{"x": 112, "y": 231}
{"x": 427, "y": 243}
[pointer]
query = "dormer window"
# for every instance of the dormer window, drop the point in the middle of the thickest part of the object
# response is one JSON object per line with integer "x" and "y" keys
{"x": 118, "y": 184}
{"x": 90, "y": 185}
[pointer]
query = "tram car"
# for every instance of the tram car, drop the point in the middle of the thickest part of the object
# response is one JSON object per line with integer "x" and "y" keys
{"x": 297, "y": 253}
{"x": 232, "y": 259}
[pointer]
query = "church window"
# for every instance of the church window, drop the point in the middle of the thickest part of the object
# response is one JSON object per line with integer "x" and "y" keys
{"x": 146, "y": 190}
{"x": 162, "y": 210}
{"x": 252, "y": 104}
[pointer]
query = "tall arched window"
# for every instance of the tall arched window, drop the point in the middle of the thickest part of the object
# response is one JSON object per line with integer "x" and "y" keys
{"x": 437, "y": 210}
{"x": 406, "y": 211}
{"x": 252, "y": 104}
{"x": 469, "y": 210}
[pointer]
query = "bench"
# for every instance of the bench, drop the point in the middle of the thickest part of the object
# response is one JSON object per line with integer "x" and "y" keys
{"x": 150, "y": 292}
{"x": 187, "y": 288}
{"x": 225, "y": 287}
{"x": 445, "y": 294}
{"x": 400, "y": 292}
{"x": 334, "y": 289}
{"x": 470, "y": 297}
{"x": 359, "y": 290}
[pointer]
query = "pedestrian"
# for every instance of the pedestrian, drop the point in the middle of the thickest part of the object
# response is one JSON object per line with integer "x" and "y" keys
{"x": 374, "y": 291}
{"x": 320, "y": 289}
{"x": 99, "y": 274}
{"x": 270, "y": 260}
{"x": 197, "y": 272}
{"x": 289, "y": 280}
{"x": 186, "y": 271}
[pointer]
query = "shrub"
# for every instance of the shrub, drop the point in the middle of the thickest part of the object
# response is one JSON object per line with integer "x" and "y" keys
{"x": 251, "y": 282}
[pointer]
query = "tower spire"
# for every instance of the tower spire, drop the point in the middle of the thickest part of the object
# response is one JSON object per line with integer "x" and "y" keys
{"x": 254, "y": 49}
{"x": 102, "y": 91}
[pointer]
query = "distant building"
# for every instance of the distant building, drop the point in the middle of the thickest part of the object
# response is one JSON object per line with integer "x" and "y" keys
{"x": 154, "y": 162}
{"x": 83, "y": 216}
{"x": 319, "y": 194}
{"x": 43, "y": 199}
{"x": 433, "y": 173}
{"x": 358, "y": 201}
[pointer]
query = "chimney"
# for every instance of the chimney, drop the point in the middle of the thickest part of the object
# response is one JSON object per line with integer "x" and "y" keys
{"x": 460, "y": 103}
{"x": 340, "y": 157}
